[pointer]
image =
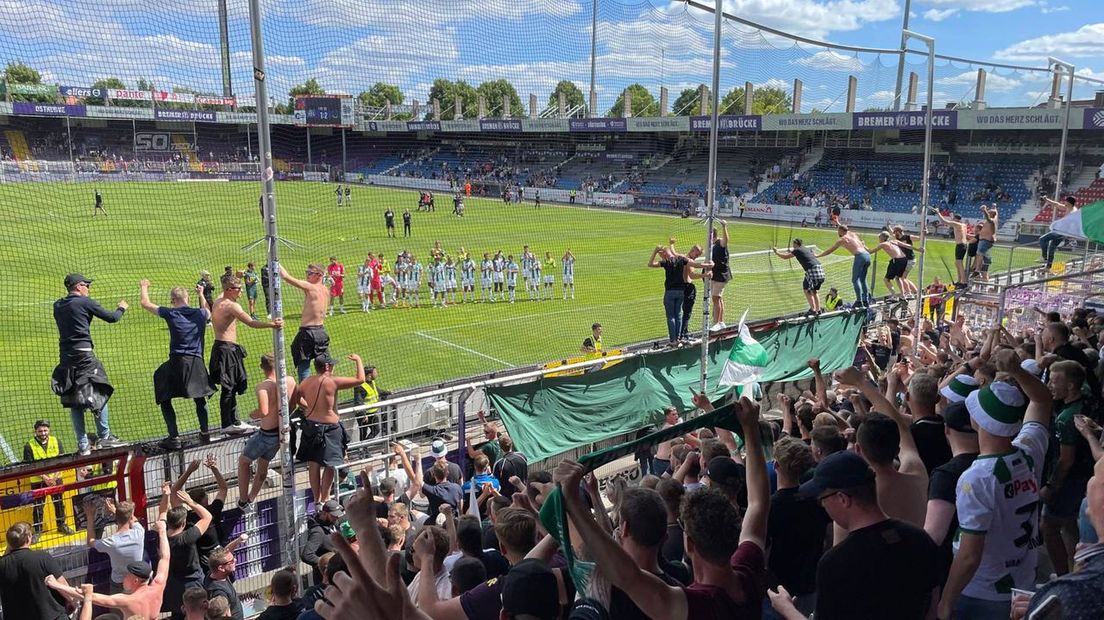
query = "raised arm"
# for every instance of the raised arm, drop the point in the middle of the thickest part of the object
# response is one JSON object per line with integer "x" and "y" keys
{"x": 296, "y": 282}
{"x": 758, "y": 486}
{"x": 655, "y": 598}
{"x": 212, "y": 465}
{"x": 724, "y": 233}
{"x": 344, "y": 383}
{"x": 101, "y": 313}
{"x": 178, "y": 486}
{"x": 1040, "y": 401}
{"x": 781, "y": 254}
{"x": 243, "y": 317}
{"x": 143, "y": 298}
{"x": 652, "y": 260}
{"x": 204, "y": 514}
{"x": 832, "y": 248}
{"x": 911, "y": 463}
{"x": 161, "y": 574}
{"x": 818, "y": 382}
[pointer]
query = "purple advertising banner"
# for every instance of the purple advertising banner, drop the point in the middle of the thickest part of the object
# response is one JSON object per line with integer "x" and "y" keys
{"x": 1094, "y": 118}
{"x": 727, "y": 123}
{"x": 184, "y": 115}
{"x": 619, "y": 156}
{"x": 597, "y": 124}
{"x": 499, "y": 124}
{"x": 81, "y": 91}
{"x": 47, "y": 109}
{"x": 941, "y": 119}
{"x": 423, "y": 125}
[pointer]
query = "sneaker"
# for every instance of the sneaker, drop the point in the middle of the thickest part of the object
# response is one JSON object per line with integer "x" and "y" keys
{"x": 253, "y": 316}
{"x": 204, "y": 437}
{"x": 109, "y": 441}
{"x": 342, "y": 309}
{"x": 170, "y": 443}
{"x": 245, "y": 507}
{"x": 718, "y": 326}
{"x": 239, "y": 428}
{"x": 85, "y": 450}
{"x": 65, "y": 529}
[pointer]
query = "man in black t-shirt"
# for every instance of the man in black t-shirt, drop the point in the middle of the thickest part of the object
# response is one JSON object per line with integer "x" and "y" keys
{"x": 23, "y": 572}
{"x": 184, "y": 569}
{"x": 941, "y": 518}
{"x": 885, "y": 568}
{"x": 814, "y": 271}
{"x": 406, "y": 222}
{"x": 389, "y": 220}
{"x": 720, "y": 275}
{"x": 796, "y": 526}
{"x": 511, "y": 464}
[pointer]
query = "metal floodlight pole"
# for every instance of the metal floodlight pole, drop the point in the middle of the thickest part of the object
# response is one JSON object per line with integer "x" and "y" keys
{"x": 287, "y": 509}
{"x": 711, "y": 190}
{"x": 924, "y": 187}
{"x": 901, "y": 58}
{"x": 593, "y": 104}
{"x": 1058, "y": 64}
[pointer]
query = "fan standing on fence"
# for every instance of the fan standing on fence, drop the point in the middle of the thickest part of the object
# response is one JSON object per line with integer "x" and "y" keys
{"x": 79, "y": 378}
{"x": 859, "y": 267}
{"x": 312, "y": 339}
{"x": 814, "y": 271}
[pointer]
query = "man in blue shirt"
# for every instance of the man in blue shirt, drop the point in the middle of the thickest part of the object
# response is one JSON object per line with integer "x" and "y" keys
{"x": 79, "y": 378}
{"x": 184, "y": 375}
{"x": 483, "y": 477}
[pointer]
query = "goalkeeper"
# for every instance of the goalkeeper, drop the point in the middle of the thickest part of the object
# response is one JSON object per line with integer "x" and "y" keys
{"x": 814, "y": 272}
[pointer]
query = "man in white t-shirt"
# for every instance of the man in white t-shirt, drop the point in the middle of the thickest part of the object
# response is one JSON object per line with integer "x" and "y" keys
{"x": 997, "y": 498}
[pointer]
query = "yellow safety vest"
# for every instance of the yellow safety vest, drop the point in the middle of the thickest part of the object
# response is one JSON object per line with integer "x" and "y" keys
{"x": 40, "y": 454}
{"x": 372, "y": 395}
{"x": 831, "y": 303}
{"x": 97, "y": 470}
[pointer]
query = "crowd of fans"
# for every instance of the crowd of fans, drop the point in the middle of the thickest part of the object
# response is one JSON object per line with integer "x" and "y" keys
{"x": 965, "y": 482}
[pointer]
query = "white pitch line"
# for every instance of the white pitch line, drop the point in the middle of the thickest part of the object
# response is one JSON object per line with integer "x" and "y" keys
{"x": 535, "y": 315}
{"x": 463, "y": 348}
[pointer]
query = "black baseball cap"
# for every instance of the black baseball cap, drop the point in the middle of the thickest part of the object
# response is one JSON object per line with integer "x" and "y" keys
{"x": 840, "y": 470}
{"x": 588, "y": 609}
{"x": 723, "y": 470}
{"x": 74, "y": 279}
{"x": 957, "y": 418}
{"x": 334, "y": 508}
{"x": 41, "y": 423}
{"x": 141, "y": 570}
{"x": 530, "y": 590}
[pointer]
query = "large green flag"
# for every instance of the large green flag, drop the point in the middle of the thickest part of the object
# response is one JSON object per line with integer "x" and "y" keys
{"x": 553, "y": 415}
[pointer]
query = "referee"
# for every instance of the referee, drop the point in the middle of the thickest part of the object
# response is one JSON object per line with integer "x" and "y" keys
{"x": 814, "y": 272}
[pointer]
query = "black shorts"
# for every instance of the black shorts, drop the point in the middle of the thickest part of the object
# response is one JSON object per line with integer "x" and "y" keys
{"x": 896, "y": 268}
{"x": 183, "y": 376}
{"x": 310, "y": 342}
{"x": 322, "y": 443}
{"x": 227, "y": 369}
{"x": 971, "y": 250}
{"x": 960, "y": 251}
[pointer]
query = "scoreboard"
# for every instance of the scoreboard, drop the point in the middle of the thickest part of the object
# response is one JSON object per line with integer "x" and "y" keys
{"x": 324, "y": 111}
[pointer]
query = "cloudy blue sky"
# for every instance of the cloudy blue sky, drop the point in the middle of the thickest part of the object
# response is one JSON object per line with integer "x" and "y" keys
{"x": 350, "y": 44}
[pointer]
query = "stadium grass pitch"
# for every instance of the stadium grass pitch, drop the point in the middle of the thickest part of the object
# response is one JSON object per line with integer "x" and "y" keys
{"x": 168, "y": 232}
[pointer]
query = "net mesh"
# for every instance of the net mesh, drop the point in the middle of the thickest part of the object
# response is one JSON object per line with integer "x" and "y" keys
{"x": 177, "y": 170}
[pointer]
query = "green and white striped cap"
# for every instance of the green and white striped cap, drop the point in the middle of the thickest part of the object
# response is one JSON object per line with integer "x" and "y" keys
{"x": 959, "y": 388}
{"x": 998, "y": 408}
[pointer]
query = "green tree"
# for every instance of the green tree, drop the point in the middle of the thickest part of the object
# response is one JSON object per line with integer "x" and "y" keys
{"x": 19, "y": 73}
{"x": 643, "y": 103}
{"x": 448, "y": 93}
{"x": 493, "y": 91}
{"x": 765, "y": 100}
{"x": 573, "y": 97}
{"x": 878, "y": 108}
{"x": 687, "y": 103}
{"x": 310, "y": 87}
{"x": 380, "y": 95}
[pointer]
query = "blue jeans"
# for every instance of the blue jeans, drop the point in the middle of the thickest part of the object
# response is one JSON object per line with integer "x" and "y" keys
{"x": 981, "y": 609}
{"x": 859, "y": 269}
{"x": 1048, "y": 245}
{"x": 1088, "y": 532}
{"x": 302, "y": 370}
{"x": 672, "y": 307}
{"x": 76, "y": 415}
{"x": 984, "y": 245}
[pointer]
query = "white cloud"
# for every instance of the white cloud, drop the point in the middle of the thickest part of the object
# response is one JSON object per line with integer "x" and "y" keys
{"x": 383, "y": 13}
{"x": 938, "y": 15}
{"x": 1086, "y": 41}
{"x": 811, "y": 18}
{"x": 1047, "y": 9}
{"x": 831, "y": 61}
{"x": 993, "y": 82}
{"x": 985, "y": 6}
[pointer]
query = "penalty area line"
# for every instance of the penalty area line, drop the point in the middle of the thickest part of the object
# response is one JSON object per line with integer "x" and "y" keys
{"x": 463, "y": 348}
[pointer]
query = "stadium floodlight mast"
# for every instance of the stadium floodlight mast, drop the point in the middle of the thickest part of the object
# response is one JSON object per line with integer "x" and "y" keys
{"x": 1059, "y": 68}
{"x": 268, "y": 212}
{"x": 925, "y": 189}
{"x": 711, "y": 189}
{"x": 901, "y": 59}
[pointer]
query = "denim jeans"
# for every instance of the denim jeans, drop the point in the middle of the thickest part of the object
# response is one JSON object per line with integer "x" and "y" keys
{"x": 672, "y": 307}
{"x": 1048, "y": 245}
{"x": 984, "y": 245}
{"x": 302, "y": 370}
{"x": 859, "y": 269}
{"x": 76, "y": 414}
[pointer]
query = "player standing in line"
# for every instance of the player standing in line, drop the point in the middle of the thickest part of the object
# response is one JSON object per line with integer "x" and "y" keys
{"x": 467, "y": 279}
{"x": 450, "y": 279}
{"x": 311, "y": 340}
{"x": 400, "y": 281}
{"x": 535, "y": 283}
{"x": 348, "y": 196}
{"x": 364, "y": 284}
{"x": 486, "y": 271}
{"x": 406, "y": 223}
{"x": 339, "y": 194}
{"x": 250, "y": 279}
{"x": 336, "y": 271}
{"x": 568, "y": 262}
{"x": 536, "y": 198}
{"x": 99, "y": 208}
{"x": 437, "y": 282}
{"x": 382, "y": 279}
{"x": 527, "y": 270}
{"x": 416, "y": 271}
{"x": 511, "y": 277}
{"x": 549, "y": 275}
{"x": 498, "y": 264}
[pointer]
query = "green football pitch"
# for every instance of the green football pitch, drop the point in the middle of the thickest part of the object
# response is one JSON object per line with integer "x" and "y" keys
{"x": 168, "y": 232}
